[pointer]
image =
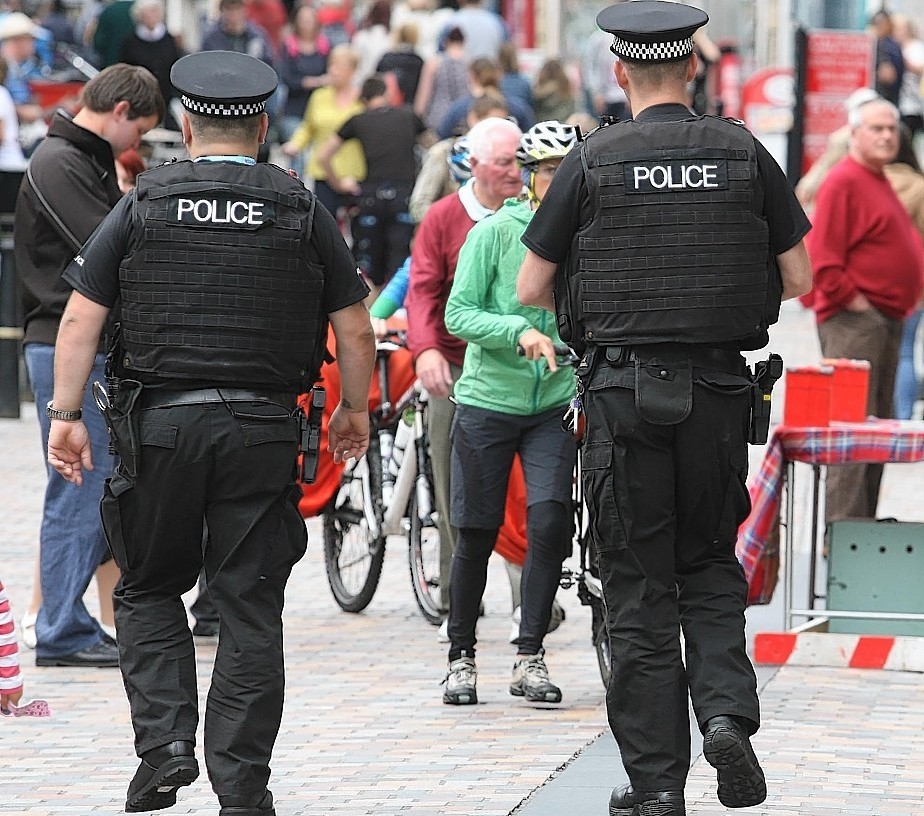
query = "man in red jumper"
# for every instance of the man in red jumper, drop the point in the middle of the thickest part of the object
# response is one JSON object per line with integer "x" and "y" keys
{"x": 868, "y": 266}
{"x": 438, "y": 355}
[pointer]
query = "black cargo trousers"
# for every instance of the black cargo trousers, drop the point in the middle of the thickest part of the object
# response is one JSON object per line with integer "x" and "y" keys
{"x": 232, "y": 464}
{"x": 665, "y": 502}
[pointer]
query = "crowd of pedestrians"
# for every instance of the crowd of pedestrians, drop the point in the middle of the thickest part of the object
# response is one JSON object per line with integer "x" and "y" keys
{"x": 418, "y": 133}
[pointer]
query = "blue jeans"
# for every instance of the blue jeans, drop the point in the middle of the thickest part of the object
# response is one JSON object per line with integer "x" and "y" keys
{"x": 72, "y": 540}
{"x": 287, "y": 127}
{"x": 906, "y": 383}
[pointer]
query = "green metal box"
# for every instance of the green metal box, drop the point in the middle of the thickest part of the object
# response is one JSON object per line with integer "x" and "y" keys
{"x": 876, "y": 566}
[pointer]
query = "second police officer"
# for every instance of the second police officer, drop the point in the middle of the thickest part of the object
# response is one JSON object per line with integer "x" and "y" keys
{"x": 669, "y": 241}
{"x": 228, "y": 273}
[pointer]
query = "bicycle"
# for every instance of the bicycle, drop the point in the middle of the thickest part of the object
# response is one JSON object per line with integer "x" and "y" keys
{"x": 587, "y": 577}
{"x": 587, "y": 580}
{"x": 388, "y": 492}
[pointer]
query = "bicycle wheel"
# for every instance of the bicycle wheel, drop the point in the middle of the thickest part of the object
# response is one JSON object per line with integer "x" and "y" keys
{"x": 353, "y": 552}
{"x": 424, "y": 561}
{"x": 601, "y": 644}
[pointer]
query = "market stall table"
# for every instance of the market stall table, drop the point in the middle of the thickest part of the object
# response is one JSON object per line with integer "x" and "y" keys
{"x": 875, "y": 441}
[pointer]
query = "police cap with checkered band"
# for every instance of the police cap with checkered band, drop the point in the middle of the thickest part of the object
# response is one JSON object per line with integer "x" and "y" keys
{"x": 651, "y": 31}
{"x": 223, "y": 84}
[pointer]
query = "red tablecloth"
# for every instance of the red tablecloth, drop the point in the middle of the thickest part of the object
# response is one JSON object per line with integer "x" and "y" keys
{"x": 874, "y": 441}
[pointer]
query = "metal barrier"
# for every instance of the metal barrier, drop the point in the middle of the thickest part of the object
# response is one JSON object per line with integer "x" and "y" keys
{"x": 10, "y": 310}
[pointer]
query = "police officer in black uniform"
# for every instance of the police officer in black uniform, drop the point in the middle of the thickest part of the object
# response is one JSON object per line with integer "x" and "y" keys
{"x": 227, "y": 272}
{"x": 668, "y": 242}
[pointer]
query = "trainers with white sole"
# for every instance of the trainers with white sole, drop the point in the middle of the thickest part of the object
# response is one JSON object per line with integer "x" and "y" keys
{"x": 531, "y": 680}
{"x": 460, "y": 682}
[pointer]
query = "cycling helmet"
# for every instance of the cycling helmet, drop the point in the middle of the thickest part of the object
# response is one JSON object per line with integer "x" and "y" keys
{"x": 547, "y": 140}
{"x": 459, "y": 158}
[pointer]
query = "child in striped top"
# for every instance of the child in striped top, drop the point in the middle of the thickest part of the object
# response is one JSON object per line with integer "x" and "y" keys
{"x": 10, "y": 675}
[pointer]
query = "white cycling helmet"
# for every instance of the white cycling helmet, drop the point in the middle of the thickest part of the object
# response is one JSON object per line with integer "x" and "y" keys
{"x": 547, "y": 140}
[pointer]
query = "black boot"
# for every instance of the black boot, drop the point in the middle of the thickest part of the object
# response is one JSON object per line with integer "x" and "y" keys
{"x": 247, "y": 805}
{"x": 624, "y": 801}
{"x": 161, "y": 772}
{"x": 727, "y": 748}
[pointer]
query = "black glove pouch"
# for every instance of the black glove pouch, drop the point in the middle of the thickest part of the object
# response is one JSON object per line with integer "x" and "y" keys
{"x": 663, "y": 390}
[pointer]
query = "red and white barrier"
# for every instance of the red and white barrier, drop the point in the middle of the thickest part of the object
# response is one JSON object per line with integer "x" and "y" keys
{"x": 839, "y": 650}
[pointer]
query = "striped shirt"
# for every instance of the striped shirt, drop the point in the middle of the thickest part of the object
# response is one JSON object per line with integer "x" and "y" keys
{"x": 10, "y": 675}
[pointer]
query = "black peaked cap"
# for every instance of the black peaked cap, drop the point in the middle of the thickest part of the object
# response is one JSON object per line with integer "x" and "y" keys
{"x": 223, "y": 84}
{"x": 652, "y": 30}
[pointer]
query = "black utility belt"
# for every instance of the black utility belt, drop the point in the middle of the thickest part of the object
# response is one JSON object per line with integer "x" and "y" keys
{"x": 163, "y": 398}
{"x": 716, "y": 359}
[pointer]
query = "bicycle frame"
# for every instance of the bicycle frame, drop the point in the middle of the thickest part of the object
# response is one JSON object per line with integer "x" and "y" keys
{"x": 393, "y": 517}
{"x": 406, "y": 480}
{"x": 375, "y": 500}
{"x": 358, "y": 469}
{"x": 589, "y": 585}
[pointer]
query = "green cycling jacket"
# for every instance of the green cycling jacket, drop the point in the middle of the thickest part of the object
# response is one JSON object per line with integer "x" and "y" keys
{"x": 484, "y": 311}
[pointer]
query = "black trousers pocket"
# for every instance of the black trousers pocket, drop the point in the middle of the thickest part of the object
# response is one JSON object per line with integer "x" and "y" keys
{"x": 290, "y": 541}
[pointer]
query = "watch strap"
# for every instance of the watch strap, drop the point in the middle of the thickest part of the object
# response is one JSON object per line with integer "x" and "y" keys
{"x": 67, "y": 416}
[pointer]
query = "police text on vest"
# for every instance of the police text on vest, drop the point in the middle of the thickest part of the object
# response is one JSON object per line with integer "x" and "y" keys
{"x": 675, "y": 176}
{"x": 214, "y": 211}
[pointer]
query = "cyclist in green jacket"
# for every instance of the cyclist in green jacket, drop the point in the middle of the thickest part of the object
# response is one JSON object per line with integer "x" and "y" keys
{"x": 508, "y": 402}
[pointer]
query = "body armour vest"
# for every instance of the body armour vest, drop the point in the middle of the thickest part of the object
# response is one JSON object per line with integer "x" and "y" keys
{"x": 218, "y": 286}
{"x": 676, "y": 250}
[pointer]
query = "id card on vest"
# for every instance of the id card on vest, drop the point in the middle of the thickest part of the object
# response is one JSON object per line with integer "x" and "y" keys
{"x": 219, "y": 210}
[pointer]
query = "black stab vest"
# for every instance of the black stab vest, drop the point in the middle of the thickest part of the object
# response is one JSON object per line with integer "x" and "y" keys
{"x": 676, "y": 250}
{"x": 219, "y": 287}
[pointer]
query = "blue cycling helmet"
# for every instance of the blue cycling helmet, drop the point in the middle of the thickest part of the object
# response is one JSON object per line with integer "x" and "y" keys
{"x": 459, "y": 158}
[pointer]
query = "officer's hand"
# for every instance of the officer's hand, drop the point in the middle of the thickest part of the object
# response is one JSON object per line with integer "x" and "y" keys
{"x": 433, "y": 370}
{"x": 69, "y": 449}
{"x": 348, "y": 434}
{"x": 536, "y": 345}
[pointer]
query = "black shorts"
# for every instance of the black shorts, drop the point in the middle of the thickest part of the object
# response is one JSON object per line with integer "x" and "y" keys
{"x": 483, "y": 446}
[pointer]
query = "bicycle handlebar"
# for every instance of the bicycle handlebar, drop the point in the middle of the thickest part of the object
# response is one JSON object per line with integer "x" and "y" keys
{"x": 393, "y": 340}
{"x": 564, "y": 354}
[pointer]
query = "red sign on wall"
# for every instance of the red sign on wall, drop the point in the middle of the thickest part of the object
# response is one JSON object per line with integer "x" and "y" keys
{"x": 837, "y": 63}
{"x": 520, "y": 17}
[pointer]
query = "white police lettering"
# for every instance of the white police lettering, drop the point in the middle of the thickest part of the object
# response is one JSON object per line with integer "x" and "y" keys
{"x": 677, "y": 175}
{"x": 212, "y": 211}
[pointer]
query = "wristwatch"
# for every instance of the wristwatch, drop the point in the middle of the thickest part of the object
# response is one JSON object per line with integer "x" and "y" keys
{"x": 67, "y": 416}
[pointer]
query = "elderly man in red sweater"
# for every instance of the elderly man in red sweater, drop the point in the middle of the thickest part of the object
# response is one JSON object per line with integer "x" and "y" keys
{"x": 438, "y": 355}
{"x": 868, "y": 266}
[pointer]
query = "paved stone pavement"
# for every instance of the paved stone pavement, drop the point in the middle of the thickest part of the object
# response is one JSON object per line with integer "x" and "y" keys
{"x": 365, "y": 731}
